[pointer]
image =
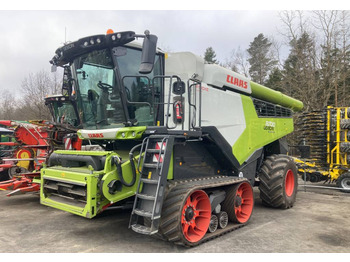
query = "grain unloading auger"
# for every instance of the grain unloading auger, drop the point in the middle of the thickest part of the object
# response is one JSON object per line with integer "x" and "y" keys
{"x": 184, "y": 141}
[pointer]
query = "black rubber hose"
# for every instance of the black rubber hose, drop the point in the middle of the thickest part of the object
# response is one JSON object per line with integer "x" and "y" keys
{"x": 118, "y": 164}
{"x": 131, "y": 158}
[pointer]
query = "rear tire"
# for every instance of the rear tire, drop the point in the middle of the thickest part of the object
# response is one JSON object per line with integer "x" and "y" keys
{"x": 278, "y": 181}
{"x": 343, "y": 182}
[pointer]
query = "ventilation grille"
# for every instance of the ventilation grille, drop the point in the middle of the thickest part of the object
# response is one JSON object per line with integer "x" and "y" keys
{"x": 266, "y": 109}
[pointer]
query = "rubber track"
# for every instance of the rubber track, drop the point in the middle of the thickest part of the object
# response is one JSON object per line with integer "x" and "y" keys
{"x": 177, "y": 191}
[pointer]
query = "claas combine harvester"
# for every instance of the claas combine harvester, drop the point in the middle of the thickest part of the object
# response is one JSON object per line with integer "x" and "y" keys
{"x": 182, "y": 141}
{"x": 30, "y": 143}
{"x": 325, "y": 146}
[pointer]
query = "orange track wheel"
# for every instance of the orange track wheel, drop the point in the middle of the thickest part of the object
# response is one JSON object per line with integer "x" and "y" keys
{"x": 244, "y": 202}
{"x": 195, "y": 216}
{"x": 239, "y": 202}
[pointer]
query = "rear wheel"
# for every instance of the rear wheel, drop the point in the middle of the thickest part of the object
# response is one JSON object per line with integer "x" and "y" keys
{"x": 343, "y": 182}
{"x": 278, "y": 181}
{"x": 239, "y": 203}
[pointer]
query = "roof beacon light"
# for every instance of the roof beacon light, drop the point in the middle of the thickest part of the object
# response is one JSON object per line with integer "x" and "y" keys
{"x": 110, "y": 31}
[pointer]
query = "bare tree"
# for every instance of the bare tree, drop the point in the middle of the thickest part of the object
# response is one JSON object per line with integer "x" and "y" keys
{"x": 8, "y": 105}
{"x": 238, "y": 62}
{"x": 294, "y": 24}
{"x": 344, "y": 25}
{"x": 35, "y": 88}
{"x": 334, "y": 28}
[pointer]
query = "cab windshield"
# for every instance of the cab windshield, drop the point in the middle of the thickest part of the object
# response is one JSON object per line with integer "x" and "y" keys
{"x": 64, "y": 113}
{"x": 99, "y": 94}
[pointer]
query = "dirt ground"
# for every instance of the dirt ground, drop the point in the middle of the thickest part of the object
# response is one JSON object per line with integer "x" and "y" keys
{"x": 319, "y": 222}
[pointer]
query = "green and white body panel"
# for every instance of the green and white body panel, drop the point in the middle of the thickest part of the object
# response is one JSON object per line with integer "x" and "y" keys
{"x": 259, "y": 131}
{"x": 227, "y": 104}
{"x": 235, "y": 117}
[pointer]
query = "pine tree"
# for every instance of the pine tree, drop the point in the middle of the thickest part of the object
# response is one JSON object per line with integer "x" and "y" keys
{"x": 275, "y": 80}
{"x": 301, "y": 76}
{"x": 261, "y": 60}
{"x": 209, "y": 55}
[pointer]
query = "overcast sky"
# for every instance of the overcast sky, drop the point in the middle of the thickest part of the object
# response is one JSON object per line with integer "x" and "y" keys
{"x": 28, "y": 39}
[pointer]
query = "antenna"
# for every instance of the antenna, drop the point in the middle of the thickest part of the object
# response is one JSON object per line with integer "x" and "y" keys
{"x": 65, "y": 35}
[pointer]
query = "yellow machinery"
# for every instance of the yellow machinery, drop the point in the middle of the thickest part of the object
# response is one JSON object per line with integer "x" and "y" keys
{"x": 325, "y": 146}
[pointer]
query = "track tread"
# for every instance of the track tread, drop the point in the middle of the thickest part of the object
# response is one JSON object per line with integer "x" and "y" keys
{"x": 177, "y": 192}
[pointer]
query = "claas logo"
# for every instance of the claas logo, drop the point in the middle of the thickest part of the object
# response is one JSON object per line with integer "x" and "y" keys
{"x": 96, "y": 135}
{"x": 237, "y": 82}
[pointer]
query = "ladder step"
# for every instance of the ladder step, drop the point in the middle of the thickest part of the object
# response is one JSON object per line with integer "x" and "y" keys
{"x": 149, "y": 181}
{"x": 149, "y": 165}
{"x": 142, "y": 213}
{"x": 155, "y": 151}
{"x": 146, "y": 197}
{"x": 143, "y": 229}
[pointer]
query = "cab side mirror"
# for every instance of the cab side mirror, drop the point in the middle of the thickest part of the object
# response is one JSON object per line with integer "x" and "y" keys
{"x": 148, "y": 55}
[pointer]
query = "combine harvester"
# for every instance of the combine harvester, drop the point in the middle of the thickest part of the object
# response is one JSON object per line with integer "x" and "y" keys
{"x": 183, "y": 141}
{"x": 33, "y": 141}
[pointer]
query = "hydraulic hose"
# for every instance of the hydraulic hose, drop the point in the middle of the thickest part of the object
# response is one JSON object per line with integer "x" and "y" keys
{"x": 131, "y": 158}
{"x": 118, "y": 164}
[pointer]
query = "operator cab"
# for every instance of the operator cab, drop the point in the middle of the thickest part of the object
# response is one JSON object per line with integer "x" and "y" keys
{"x": 63, "y": 110}
{"x": 109, "y": 78}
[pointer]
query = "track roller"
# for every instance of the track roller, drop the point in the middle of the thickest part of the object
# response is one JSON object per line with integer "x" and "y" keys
{"x": 223, "y": 219}
{"x": 214, "y": 223}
